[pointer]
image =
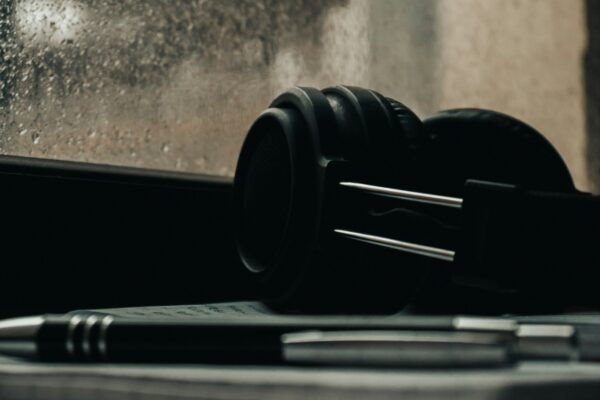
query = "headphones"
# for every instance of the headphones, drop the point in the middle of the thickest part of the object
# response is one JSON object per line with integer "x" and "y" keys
{"x": 346, "y": 202}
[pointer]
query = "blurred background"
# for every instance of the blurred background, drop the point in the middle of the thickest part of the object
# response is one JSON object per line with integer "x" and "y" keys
{"x": 174, "y": 84}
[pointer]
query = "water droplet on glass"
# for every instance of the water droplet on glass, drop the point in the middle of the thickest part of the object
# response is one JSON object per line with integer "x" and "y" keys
{"x": 139, "y": 75}
{"x": 35, "y": 137}
{"x": 200, "y": 162}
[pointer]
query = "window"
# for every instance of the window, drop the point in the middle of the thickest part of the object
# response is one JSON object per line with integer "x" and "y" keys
{"x": 174, "y": 84}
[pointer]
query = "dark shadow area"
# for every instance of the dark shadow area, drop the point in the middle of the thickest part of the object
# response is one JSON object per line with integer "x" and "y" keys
{"x": 592, "y": 87}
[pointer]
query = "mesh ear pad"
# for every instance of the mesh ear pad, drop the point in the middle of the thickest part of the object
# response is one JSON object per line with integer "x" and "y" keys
{"x": 275, "y": 200}
{"x": 486, "y": 145}
{"x": 269, "y": 171}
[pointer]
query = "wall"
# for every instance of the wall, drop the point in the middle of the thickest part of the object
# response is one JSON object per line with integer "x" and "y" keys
{"x": 520, "y": 57}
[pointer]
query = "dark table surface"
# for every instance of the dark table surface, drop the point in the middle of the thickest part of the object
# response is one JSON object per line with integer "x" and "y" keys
{"x": 32, "y": 381}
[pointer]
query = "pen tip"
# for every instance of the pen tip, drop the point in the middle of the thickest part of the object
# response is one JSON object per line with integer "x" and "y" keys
{"x": 18, "y": 336}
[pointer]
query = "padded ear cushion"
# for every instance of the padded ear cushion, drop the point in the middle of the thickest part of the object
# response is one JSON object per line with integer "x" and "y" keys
{"x": 486, "y": 145}
{"x": 372, "y": 126}
{"x": 317, "y": 114}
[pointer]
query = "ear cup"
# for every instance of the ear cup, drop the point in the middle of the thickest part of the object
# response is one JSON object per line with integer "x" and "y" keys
{"x": 275, "y": 197}
{"x": 288, "y": 199}
{"x": 480, "y": 144}
{"x": 486, "y": 145}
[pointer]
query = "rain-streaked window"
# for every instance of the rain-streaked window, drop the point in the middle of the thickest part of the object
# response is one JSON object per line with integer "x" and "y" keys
{"x": 174, "y": 84}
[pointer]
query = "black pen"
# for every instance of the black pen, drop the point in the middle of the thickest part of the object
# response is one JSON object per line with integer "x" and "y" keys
{"x": 226, "y": 340}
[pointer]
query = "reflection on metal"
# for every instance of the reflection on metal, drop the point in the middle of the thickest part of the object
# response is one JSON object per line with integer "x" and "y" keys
{"x": 446, "y": 201}
{"x": 427, "y": 251}
{"x": 397, "y": 348}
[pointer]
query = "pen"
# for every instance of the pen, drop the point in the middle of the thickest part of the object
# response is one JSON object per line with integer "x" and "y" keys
{"x": 257, "y": 340}
{"x": 407, "y": 341}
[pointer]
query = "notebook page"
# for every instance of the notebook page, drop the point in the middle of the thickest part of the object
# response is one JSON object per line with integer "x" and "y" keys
{"x": 234, "y": 309}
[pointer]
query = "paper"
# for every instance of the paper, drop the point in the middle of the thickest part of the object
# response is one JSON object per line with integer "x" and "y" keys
{"x": 244, "y": 308}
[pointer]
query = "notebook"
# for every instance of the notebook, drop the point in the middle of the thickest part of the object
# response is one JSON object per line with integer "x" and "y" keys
{"x": 239, "y": 309}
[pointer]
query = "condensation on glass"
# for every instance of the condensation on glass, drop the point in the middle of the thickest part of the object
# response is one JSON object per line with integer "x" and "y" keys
{"x": 153, "y": 83}
{"x": 174, "y": 84}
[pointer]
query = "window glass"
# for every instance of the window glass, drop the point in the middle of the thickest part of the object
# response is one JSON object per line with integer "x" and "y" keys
{"x": 174, "y": 84}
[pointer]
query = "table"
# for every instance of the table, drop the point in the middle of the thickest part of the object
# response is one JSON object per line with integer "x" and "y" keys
{"x": 32, "y": 381}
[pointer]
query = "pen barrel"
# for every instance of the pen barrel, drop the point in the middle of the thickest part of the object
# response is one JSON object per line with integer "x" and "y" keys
{"x": 98, "y": 338}
{"x": 207, "y": 344}
{"x": 257, "y": 340}
{"x": 406, "y": 341}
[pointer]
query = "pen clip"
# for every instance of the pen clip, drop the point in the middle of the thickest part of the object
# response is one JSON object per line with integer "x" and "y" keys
{"x": 547, "y": 342}
{"x": 398, "y": 348}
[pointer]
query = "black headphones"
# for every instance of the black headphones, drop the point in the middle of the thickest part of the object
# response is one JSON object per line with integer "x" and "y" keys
{"x": 345, "y": 201}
